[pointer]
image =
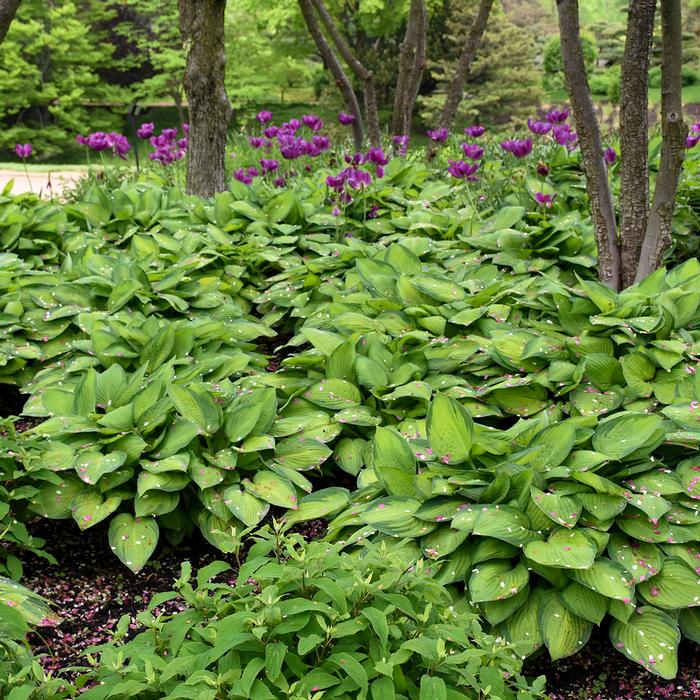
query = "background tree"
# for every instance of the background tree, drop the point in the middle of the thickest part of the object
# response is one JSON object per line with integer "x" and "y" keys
{"x": 202, "y": 26}
{"x": 50, "y": 65}
{"x": 645, "y": 232}
{"x": 504, "y": 81}
{"x": 8, "y": 8}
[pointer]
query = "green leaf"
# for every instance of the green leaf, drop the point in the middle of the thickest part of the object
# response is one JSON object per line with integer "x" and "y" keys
{"x": 394, "y": 515}
{"x": 334, "y": 393}
{"x": 623, "y": 433}
{"x": 650, "y": 638}
{"x": 432, "y": 688}
{"x": 379, "y": 623}
{"x": 496, "y": 580}
{"x": 320, "y": 504}
{"x": 450, "y": 430}
{"x": 89, "y": 508}
{"x": 563, "y": 632}
{"x": 676, "y": 586}
{"x": 584, "y": 602}
{"x": 563, "y": 510}
{"x": 607, "y": 578}
{"x": 272, "y": 488}
{"x": 563, "y": 549}
{"x": 133, "y": 540}
{"x": 196, "y": 406}
{"x": 246, "y": 507}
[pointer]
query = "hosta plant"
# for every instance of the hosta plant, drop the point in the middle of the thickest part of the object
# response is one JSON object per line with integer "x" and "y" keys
{"x": 552, "y": 525}
{"x": 305, "y": 622}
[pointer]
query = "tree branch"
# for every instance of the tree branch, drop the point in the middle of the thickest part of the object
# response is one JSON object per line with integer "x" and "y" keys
{"x": 331, "y": 60}
{"x": 362, "y": 72}
{"x": 634, "y": 127}
{"x": 673, "y": 130}
{"x": 8, "y": 8}
{"x": 591, "y": 147}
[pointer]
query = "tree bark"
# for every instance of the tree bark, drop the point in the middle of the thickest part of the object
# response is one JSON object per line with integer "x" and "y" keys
{"x": 658, "y": 232}
{"x": 455, "y": 91}
{"x": 8, "y": 8}
{"x": 591, "y": 148}
{"x": 634, "y": 127}
{"x": 411, "y": 65}
{"x": 363, "y": 74}
{"x": 336, "y": 69}
{"x": 202, "y": 27}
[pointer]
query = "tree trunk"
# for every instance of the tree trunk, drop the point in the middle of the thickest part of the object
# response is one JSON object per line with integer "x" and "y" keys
{"x": 363, "y": 74}
{"x": 336, "y": 69}
{"x": 591, "y": 147}
{"x": 634, "y": 127}
{"x": 658, "y": 232}
{"x": 411, "y": 64}
{"x": 202, "y": 27}
{"x": 455, "y": 91}
{"x": 8, "y": 8}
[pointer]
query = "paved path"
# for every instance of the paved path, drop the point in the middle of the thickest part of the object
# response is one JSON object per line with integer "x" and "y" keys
{"x": 44, "y": 184}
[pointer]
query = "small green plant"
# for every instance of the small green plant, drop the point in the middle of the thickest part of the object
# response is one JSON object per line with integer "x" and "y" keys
{"x": 307, "y": 621}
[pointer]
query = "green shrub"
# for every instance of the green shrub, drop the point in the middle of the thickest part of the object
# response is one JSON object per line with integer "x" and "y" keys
{"x": 308, "y": 621}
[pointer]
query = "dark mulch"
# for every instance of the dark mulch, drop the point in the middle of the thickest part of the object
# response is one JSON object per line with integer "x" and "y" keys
{"x": 91, "y": 589}
{"x": 600, "y": 672}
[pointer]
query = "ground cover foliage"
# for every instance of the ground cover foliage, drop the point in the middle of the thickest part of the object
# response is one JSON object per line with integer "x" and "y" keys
{"x": 450, "y": 383}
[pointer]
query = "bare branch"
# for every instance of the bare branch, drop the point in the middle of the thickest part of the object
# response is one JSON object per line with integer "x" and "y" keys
{"x": 634, "y": 127}
{"x": 336, "y": 69}
{"x": 658, "y": 232}
{"x": 591, "y": 147}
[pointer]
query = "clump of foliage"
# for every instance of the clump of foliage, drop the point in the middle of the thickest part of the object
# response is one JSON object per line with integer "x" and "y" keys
{"x": 309, "y": 621}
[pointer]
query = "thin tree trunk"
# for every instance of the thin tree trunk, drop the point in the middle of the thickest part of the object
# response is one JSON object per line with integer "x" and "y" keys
{"x": 410, "y": 67}
{"x": 336, "y": 69}
{"x": 202, "y": 27}
{"x": 418, "y": 68}
{"x": 591, "y": 147}
{"x": 8, "y": 8}
{"x": 363, "y": 74}
{"x": 455, "y": 91}
{"x": 634, "y": 127}
{"x": 658, "y": 232}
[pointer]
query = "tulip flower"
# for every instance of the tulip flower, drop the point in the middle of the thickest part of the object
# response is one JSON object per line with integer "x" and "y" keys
{"x": 546, "y": 200}
{"x": 438, "y": 135}
{"x": 474, "y": 131}
{"x": 264, "y": 117}
{"x": 518, "y": 147}
{"x": 346, "y": 119}
{"x": 23, "y": 150}
{"x": 472, "y": 150}
{"x": 462, "y": 170}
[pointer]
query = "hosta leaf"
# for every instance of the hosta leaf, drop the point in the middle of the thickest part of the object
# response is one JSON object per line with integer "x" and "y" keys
{"x": 563, "y": 632}
{"x": 563, "y": 549}
{"x": 297, "y": 453}
{"x": 133, "y": 540}
{"x": 272, "y": 488}
{"x": 607, "y": 578}
{"x": 320, "y": 504}
{"x": 603, "y": 506}
{"x": 623, "y": 433}
{"x": 89, "y": 508}
{"x": 90, "y": 466}
{"x": 496, "y": 580}
{"x": 650, "y": 638}
{"x": 522, "y": 628}
{"x": 450, "y": 430}
{"x": 165, "y": 481}
{"x": 689, "y": 622}
{"x": 246, "y": 507}
{"x": 395, "y": 516}
{"x": 155, "y": 503}
{"x": 392, "y": 450}
{"x": 584, "y": 602}
{"x": 553, "y": 445}
{"x": 676, "y": 586}
{"x": 53, "y": 500}
{"x": 348, "y": 454}
{"x": 333, "y": 393}
{"x": 442, "y": 541}
{"x": 642, "y": 560}
{"x": 496, "y": 611}
{"x": 503, "y": 523}
{"x": 196, "y": 406}
{"x": 563, "y": 510}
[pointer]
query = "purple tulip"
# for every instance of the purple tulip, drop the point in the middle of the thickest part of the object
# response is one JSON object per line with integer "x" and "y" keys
{"x": 546, "y": 200}
{"x": 610, "y": 155}
{"x": 542, "y": 169}
{"x": 23, "y": 150}
{"x": 462, "y": 170}
{"x": 354, "y": 160}
{"x": 279, "y": 182}
{"x": 313, "y": 121}
{"x": 82, "y": 140}
{"x": 257, "y": 142}
{"x": 538, "y": 128}
{"x": 323, "y": 143}
{"x": 557, "y": 116}
{"x": 170, "y": 134}
{"x": 692, "y": 141}
{"x": 438, "y": 135}
{"x": 346, "y": 119}
{"x": 472, "y": 150}
{"x": 376, "y": 155}
{"x": 97, "y": 141}
{"x": 242, "y": 176}
{"x": 271, "y": 132}
{"x": 264, "y": 117}
{"x": 185, "y": 128}
{"x": 518, "y": 147}
{"x": 336, "y": 182}
{"x": 474, "y": 131}
{"x": 357, "y": 179}
{"x": 291, "y": 147}
{"x": 145, "y": 131}
{"x": 564, "y": 135}
{"x": 400, "y": 142}
{"x": 119, "y": 144}
{"x": 269, "y": 165}
{"x": 293, "y": 125}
